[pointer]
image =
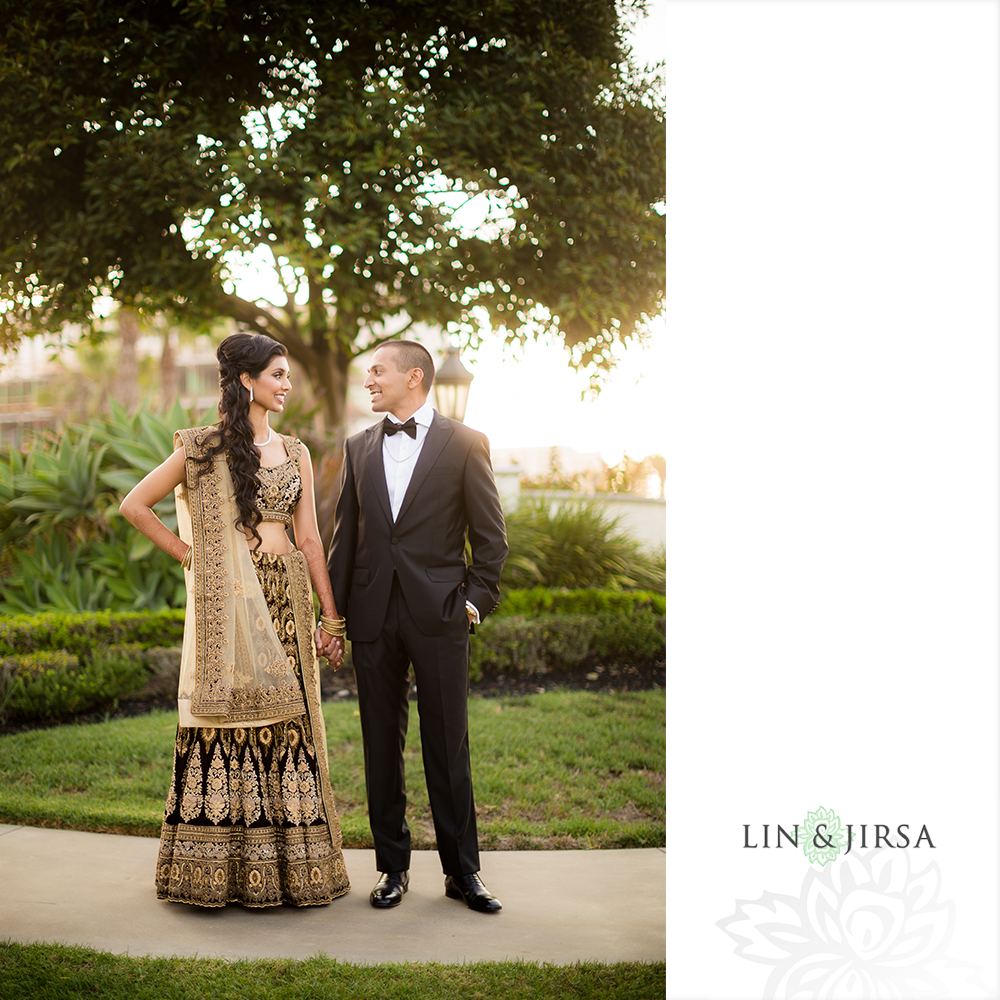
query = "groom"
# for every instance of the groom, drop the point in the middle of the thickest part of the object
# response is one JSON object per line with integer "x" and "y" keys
{"x": 412, "y": 487}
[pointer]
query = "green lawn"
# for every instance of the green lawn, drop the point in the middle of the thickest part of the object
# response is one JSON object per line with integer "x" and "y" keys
{"x": 54, "y": 972}
{"x": 554, "y": 770}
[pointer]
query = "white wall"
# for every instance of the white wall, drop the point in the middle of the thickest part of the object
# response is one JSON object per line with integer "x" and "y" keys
{"x": 644, "y": 518}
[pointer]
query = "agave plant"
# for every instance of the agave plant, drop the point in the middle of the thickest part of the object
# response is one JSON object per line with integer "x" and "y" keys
{"x": 60, "y": 485}
{"x": 53, "y": 575}
{"x": 63, "y": 544}
{"x": 575, "y": 544}
{"x": 142, "y": 440}
{"x": 12, "y": 526}
{"x": 137, "y": 444}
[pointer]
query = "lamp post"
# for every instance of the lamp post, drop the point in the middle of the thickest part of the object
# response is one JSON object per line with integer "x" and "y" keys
{"x": 451, "y": 386}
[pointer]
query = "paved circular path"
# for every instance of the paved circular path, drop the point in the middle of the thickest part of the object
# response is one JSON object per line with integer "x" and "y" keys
{"x": 560, "y": 907}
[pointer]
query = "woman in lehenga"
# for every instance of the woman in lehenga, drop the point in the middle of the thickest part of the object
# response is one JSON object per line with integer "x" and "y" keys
{"x": 250, "y": 816}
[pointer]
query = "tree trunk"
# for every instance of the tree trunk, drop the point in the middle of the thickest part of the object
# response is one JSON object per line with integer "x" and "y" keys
{"x": 325, "y": 366}
{"x": 168, "y": 370}
{"x": 330, "y": 385}
{"x": 125, "y": 384}
{"x": 320, "y": 345}
{"x": 328, "y": 381}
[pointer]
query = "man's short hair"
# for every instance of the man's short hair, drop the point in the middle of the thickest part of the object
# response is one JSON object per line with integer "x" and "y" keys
{"x": 409, "y": 354}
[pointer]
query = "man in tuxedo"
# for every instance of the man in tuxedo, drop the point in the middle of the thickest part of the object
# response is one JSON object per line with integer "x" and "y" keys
{"x": 412, "y": 488}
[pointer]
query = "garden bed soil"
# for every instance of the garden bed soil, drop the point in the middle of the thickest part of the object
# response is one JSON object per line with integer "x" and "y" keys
{"x": 643, "y": 675}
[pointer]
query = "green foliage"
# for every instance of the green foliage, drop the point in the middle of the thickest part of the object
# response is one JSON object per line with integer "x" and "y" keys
{"x": 54, "y": 972}
{"x": 539, "y": 600}
{"x": 53, "y": 573}
{"x": 538, "y": 630}
{"x": 575, "y": 544}
{"x": 532, "y": 631}
{"x": 54, "y": 684}
{"x": 630, "y": 635}
{"x": 489, "y": 168}
{"x": 61, "y": 485}
{"x": 515, "y": 644}
{"x": 81, "y": 634}
{"x": 63, "y": 544}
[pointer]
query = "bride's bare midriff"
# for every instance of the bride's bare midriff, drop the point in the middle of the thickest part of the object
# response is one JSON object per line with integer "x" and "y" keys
{"x": 273, "y": 538}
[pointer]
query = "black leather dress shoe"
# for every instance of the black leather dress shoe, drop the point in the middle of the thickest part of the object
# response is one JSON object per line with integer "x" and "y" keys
{"x": 389, "y": 889}
{"x": 471, "y": 889}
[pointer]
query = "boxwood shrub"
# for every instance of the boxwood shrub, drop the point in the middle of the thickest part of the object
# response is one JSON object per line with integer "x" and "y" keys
{"x": 537, "y": 631}
{"x": 544, "y": 600}
{"x": 54, "y": 684}
{"x": 80, "y": 633}
{"x": 516, "y": 644}
{"x": 55, "y": 664}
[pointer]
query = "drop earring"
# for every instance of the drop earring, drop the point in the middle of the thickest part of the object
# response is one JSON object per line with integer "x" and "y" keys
{"x": 251, "y": 394}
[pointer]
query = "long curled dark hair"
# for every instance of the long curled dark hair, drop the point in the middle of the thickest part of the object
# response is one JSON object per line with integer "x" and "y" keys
{"x": 233, "y": 434}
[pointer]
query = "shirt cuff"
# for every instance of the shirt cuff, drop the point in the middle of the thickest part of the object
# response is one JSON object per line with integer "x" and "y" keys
{"x": 469, "y": 606}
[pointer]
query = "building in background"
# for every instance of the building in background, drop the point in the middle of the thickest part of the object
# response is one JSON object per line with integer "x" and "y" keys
{"x": 43, "y": 385}
{"x": 23, "y": 380}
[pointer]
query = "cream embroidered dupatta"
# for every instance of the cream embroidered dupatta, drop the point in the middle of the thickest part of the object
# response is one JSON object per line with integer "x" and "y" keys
{"x": 234, "y": 671}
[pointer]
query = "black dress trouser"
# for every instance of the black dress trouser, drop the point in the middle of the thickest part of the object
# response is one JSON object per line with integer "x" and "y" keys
{"x": 441, "y": 667}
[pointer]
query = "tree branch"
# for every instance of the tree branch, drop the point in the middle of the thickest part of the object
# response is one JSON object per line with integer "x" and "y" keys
{"x": 379, "y": 341}
{"x": 250, "y": 313}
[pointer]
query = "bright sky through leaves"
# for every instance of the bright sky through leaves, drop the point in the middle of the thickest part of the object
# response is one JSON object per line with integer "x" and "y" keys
{"x": 529, "y": 397}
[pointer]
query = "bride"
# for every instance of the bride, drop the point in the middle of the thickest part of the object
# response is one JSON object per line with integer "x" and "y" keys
{"x": 250, "y": 815}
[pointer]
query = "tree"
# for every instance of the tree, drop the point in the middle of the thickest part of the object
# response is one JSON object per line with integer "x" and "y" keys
{"x": 125, "y": 380}
{"x": 494, "y": 167}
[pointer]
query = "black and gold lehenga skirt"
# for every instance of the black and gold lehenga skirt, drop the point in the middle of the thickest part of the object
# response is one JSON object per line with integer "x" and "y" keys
{"x": 246, "y": 819}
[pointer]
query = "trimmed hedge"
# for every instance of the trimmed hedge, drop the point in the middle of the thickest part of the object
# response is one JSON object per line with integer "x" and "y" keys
{"x": 56, "y": 664}
{"x": 516, "y": 644}
{"x": 541, "y": 630}
{"x": 80, "y": 633}
{"x": 630, "y": 634}
{"x": 55, "y": 684}
{"x": 544, "y": 600}
{"x": 84, "y": 632}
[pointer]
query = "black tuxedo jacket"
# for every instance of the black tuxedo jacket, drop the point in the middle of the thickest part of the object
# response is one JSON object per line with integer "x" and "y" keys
{"x": 451, "y": 495}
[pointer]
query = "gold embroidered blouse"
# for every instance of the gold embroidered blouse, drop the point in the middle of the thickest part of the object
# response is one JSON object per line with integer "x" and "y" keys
{"x": 281, "y": 486}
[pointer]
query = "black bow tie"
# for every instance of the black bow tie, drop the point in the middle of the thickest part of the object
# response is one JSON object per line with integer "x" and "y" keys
{"x": 390, "y": 427}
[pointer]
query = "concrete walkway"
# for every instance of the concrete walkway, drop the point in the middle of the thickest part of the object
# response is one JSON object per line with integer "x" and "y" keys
{"x": 559, "y": 907}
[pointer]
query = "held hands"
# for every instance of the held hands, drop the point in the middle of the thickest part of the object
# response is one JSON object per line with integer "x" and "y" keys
{"x": 331, "y": 648}
{"x": 330, "y": 640}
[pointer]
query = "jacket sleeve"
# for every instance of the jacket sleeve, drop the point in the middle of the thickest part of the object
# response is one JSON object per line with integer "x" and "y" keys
{"x": 340, "y": 560}
{"x": 487, "y": 533}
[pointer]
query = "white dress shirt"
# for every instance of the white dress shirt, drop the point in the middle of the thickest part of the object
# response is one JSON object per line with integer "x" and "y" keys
{"x": 400, "y": 453}
{"x": 399, "y": 457}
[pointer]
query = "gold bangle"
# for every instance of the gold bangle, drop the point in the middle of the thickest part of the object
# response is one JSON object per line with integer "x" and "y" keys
{"x": 336, "y": 635}
{"x": 186, "y": 558}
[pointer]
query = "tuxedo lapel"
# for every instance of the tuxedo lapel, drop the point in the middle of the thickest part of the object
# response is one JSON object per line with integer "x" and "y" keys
{"x": 437, "y": 437}
{"x": 375, "y": 468}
